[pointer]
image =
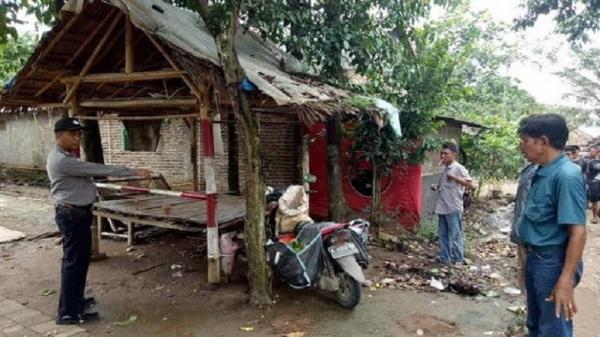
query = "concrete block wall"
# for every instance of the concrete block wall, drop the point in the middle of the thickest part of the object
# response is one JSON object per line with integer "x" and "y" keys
{"x": 26, "y": 139}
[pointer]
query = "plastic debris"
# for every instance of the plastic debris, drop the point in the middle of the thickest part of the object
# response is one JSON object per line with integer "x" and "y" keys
{"x": 437, "y": 284}
{"x": 420, "y": 332}
{"x": 490, "y": 293}
{"x": 512, "y": 291}
{"x": 47, "y": 292}
{"x": 132, "y": 318}
{"x": 388, "y": 281}
{"x": 247, "y": 328}
{"x": 176, "y": 267}
{"x": 295, "y": 334}
{"x": 517, "y": 309}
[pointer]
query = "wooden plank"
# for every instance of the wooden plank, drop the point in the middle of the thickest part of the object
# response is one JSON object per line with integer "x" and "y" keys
{"x": 124, "y": 77}
{"x": 140, "y": 103}
{"x": 126, "y": 201}
{"x": 230, "y": 208}
{"x": 92, "y": 59}
{"x": 162, "y": 224}
{"x": 131, "y": 200}
{"x": 151, "y": 205}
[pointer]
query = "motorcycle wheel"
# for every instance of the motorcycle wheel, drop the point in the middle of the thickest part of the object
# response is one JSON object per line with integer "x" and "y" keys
{"x": 348, "y": 296}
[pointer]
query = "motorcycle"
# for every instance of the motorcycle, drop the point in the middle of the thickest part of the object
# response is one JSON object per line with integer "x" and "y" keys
{"x": 326, "y": 255}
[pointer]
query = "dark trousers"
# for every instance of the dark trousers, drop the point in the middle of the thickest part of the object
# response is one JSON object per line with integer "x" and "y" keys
{"x": 543, "y": 268}
{"x": 75, "y": 226}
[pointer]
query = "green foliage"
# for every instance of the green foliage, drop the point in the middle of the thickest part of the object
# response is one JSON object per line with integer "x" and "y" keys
{"x": 13, "y": 55}
{"x": 493, "y": 154}
{"x": 573, "y": 18}
{"x": 427, "y": 230}
{"x": 43, "y": 10}
{"x": 482, "y": 95}
{"x": 584, "y": 78}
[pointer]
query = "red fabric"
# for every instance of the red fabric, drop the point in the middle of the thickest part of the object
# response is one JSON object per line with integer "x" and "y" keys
{"x": 400, "y": 199}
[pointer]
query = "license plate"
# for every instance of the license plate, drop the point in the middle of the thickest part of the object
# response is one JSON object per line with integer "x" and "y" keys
{"x": 343, "y": 250}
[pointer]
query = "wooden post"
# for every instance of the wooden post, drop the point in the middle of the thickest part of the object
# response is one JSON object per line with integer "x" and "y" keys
{"x": 194, "y": 152}
{"x": 129, "y": 56}
{"x": 96, "y": 232}
{"x": 72, "y": 111}
{"x": 305, "y": 161}
{"x": 212, "y": 230}
{"x": 130, "y": 234}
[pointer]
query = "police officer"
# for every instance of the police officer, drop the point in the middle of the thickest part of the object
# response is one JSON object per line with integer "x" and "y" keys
{"x": 74, "y": 192}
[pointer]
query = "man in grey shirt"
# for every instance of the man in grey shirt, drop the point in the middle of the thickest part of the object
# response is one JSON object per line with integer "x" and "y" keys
{"x": 449, "y": 208}
{"x": 74, "y": 192}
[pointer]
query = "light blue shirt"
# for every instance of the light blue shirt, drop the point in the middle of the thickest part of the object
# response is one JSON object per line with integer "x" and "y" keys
{"x": 555, "y": 201}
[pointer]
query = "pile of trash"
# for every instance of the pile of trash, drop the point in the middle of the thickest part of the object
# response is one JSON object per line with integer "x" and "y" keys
{"x": 490, "y": 270}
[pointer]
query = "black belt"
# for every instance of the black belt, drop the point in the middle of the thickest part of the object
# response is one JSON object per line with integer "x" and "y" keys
{"x": 545, "y": 249}
{"x": 87, "y": 207}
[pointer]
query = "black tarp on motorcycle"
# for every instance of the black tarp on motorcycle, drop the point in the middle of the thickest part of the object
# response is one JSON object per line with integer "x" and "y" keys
{"x": 301, "y": 261}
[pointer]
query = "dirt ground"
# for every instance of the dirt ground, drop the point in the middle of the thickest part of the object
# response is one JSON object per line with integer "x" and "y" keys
{"x": 167, "y": 303}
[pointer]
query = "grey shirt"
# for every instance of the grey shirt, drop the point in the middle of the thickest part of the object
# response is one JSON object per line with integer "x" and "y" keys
{"x": 71, "y": 179}
{"x": 523, "y": 187}
{"x": 451, "y": 192}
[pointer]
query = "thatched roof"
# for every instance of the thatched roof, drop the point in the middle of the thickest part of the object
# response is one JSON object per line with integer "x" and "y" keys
{"x": 65, "y": 49}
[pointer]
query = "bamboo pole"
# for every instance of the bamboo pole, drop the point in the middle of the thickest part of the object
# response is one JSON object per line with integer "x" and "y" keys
{"x": 135, "y": 118}
{"x": 140, "y": 103}
{"x": 121, "y": 77}
{"x": 92, "y": 59}
{"x": 76, "y": 54}
{"x": 129, "y": 53}
{"x": 175, "y": 65}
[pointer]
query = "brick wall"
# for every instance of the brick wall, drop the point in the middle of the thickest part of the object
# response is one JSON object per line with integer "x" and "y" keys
{"x": 172, "y": 157}
{"x": 279, "y": 136}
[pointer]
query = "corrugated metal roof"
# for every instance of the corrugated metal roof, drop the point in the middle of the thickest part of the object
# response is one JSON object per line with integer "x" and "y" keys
{"x": 266, "y": 65}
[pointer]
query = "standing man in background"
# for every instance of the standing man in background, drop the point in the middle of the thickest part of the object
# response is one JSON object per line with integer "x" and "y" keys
{"x": 449, "y": 208}
{"x": 572, "y": 151}
{"x": 593, "y": 182}
{"x": 74, "y": 192}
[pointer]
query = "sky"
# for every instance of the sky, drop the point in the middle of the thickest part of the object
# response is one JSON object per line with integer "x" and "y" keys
{"x": 536, "y": 75}
{"x": 540, "y": 82}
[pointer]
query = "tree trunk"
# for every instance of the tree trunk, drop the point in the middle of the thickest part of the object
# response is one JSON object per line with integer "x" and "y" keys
{"x": 338, "y": 209}
{"x": 335, "y": 69}
{"x": 233, "y": 173}
{"x": 92, "y": 143}
{"x": 259, "y": 273}
{"x": 375, "y": 216}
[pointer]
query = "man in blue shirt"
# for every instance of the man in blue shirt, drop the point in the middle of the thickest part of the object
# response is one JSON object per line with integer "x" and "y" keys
{"x": 552, "y": 227}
